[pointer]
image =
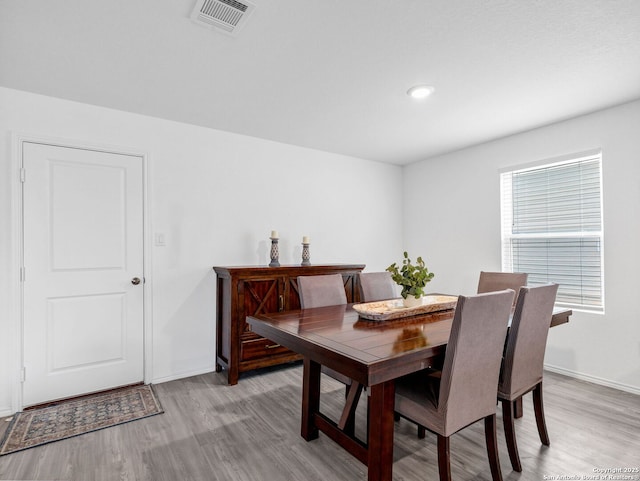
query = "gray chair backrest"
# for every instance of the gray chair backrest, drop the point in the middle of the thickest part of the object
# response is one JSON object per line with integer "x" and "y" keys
{"x": 471, "y": 368}
{"x": 527, "y": 340}
{"x": 377, "y": 286}
{"x": 498, "y": 281}
{"x": 320, "y": 291}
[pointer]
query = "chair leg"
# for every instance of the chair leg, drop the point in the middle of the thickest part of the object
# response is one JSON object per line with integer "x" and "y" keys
{"x": 492, "y": 447}
{"x": 518, "y": 411}
{"x": 422, "y": 431}
{"x": 539, "y": 410}
{"x": 510, "y": 434}
{"x": 444, "y": 463}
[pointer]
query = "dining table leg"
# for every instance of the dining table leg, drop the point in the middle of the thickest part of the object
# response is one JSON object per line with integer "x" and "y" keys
{"x": 310, "y": 398}
{"x": 380, "y": 439}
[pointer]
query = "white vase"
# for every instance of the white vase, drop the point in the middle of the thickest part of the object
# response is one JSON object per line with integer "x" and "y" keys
{"x": 412, "y": 301}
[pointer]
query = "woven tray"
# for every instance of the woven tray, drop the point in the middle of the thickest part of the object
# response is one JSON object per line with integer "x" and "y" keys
{"x": 393, "y": 309}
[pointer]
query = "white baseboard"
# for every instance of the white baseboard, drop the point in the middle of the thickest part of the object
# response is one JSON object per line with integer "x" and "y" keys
{"x": 593, "y": 379}
{"x": 559, "y": 370}
{"x": 182, "y": 375}
{"x": 5, "y": 411}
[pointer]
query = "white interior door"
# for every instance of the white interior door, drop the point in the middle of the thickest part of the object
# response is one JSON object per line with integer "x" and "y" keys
{"x": 83, "y": 250}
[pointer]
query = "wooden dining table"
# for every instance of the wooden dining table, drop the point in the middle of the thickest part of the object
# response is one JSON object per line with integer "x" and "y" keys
{"x": 371, "y": 353}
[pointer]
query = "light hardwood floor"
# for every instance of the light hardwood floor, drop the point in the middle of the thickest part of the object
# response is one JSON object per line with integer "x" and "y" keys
{"x": 251, "y": 431}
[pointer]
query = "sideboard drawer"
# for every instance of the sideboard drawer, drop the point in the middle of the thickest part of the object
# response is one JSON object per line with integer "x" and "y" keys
{"x": 258, "y": 348}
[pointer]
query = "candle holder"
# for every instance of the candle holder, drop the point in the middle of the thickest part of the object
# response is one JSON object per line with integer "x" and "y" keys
{"x": 275, "y": 253}
{"x": 305, "y": 255}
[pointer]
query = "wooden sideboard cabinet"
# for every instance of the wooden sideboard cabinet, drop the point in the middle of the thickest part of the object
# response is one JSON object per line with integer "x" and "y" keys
{"x": 247, "y": 290}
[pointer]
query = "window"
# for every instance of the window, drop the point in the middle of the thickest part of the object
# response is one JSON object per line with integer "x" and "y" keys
{"x": 552, "y": 227}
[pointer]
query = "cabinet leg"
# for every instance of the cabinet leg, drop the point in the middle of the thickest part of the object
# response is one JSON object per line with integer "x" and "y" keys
{"x": 232, "y": 378}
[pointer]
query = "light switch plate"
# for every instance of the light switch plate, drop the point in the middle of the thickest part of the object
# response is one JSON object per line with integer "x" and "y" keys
{"x": 159, "y": 239}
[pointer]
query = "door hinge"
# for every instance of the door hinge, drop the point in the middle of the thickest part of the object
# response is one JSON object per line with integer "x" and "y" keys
{"x": 23, "y": 374}
{"x": 23, "y": 274}
{"x": 23, "y": 174}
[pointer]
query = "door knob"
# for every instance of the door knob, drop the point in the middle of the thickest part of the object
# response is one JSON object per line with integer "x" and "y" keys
{"x": 135, "y": 281}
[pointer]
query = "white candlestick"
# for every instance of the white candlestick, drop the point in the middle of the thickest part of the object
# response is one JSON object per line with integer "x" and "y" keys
{"x": 274, "y": 234}
{"x": 305, "y": 239}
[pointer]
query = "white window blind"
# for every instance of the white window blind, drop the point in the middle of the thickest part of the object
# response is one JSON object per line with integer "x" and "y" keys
{"x": 552, "y": 228}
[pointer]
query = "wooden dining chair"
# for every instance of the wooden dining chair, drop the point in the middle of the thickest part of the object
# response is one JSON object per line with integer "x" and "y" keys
{"x": 522, "y": 366}
{"x": 498, "y": 281}
{"x": 377, "y": 286}
{"x": 465, "y": 392}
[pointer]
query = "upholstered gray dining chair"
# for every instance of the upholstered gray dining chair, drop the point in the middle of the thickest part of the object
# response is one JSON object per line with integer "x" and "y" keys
{"x": 498, "y": 281}
{"x": 466, "y": 390}
{"x": 321, "y": 291}
{"x": 377, "y": 286}
{"x": 522, "y": 366}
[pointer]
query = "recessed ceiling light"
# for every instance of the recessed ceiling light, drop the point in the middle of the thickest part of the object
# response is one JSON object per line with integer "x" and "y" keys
{"x": 420, "y": 92}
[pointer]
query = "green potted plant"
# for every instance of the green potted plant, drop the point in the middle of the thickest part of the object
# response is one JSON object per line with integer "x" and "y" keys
{"x": 412, "y": 278}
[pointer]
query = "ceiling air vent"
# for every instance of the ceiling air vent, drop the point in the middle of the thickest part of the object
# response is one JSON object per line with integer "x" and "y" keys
{"x": 227, "y": 15}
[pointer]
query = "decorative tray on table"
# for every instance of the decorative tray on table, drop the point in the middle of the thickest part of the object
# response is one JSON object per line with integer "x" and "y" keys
{"x": 393, "y": 309}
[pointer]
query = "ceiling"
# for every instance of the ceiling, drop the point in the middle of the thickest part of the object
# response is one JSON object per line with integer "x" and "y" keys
{"x": 332, "y": 75}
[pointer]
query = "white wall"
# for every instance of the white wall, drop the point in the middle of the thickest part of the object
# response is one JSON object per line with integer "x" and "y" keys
{"x": 216, "y": 196}
{"x": 455, "y": 198}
